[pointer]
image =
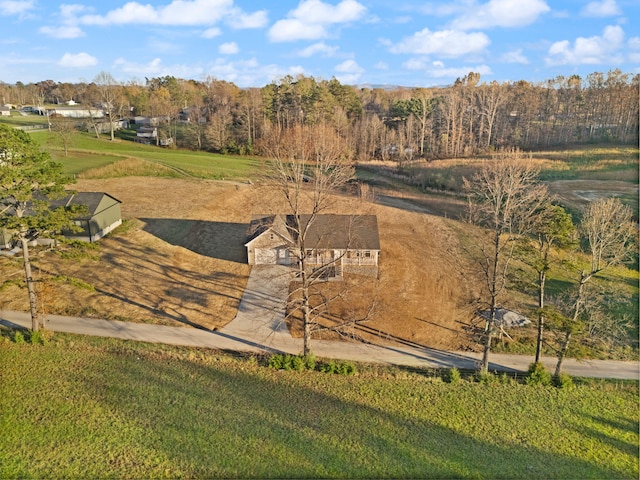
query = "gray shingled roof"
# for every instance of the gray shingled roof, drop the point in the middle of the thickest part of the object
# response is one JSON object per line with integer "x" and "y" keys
{"x": 89, "y": 199}
{"x": 340, "y": 231}
{"x": 327, "y": 231}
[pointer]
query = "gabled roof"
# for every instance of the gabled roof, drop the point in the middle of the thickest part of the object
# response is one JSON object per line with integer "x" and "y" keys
{"x": 261, "y": 224}
{"x": 94, "y": 201}
{"x": 354, "y": 232}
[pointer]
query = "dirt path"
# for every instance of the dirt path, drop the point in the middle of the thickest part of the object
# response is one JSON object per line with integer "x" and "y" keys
{"x": 577, "y": 193}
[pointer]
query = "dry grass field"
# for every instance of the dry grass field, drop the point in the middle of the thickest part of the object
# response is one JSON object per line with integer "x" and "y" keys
{"x": 180, "y": 260}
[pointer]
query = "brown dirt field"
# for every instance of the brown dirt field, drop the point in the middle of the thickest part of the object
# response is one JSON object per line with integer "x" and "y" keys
{"x": 577, "y": 194}
{"x": 181, "y": 260}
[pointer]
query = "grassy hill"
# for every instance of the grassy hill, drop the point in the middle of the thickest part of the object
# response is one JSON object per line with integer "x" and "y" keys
{"x": 87, "y": 152}
{"x": 96, "y": 408}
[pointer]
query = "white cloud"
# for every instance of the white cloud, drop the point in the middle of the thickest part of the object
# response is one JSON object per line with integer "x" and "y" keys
{"x": 228, "y": 48}
{"x": 293, "y": 29}
{"x": 310, "y": 20}
{"x": 249, "y": 73}
{"x": 69, "y": 27}
{"x": 178, "y": 13}
{"x": 155, "y": 68}
{"x": 447, "y": 43}
{"x": 316, "y": 11}
{"x": 515, "y": 56}
{"x": 381, "y": 66}
{"x": 64, "y": 31}
{"x": 77, "y": 60}
{"x": 349, "y": 72}
{"x": 16, "y": 7}
{"x": 251, "y": 20}
{"x": 319, "y": 48}
{"x": 634, "y": 55}
{"x": 588, "y": 51}
{"x": 211, "y": 32}
{"x": 500, "y": 13}
{"x": 604, "y": 8}
{"x": 349, "y": 66}
{"x": 438, "y": 69}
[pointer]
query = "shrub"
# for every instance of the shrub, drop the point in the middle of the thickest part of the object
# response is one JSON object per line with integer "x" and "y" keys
{"x": 346, "y": 368}
{"x": 297, "y": 363}
{"x": 18, "y": 337}
{"x": 538, "y": 375}
{"x": 329, "y": 367}
{"x": 562, "y": 381}
{"x": 486, "y": 378}
{"x": 36, "y": 338}
{"x": 452, "y": 375}
{"x": 288, "y": 362}
{"x": 340, "y": 368}
{"x": 276, "y": 361}
{"x": 310, "y": 361}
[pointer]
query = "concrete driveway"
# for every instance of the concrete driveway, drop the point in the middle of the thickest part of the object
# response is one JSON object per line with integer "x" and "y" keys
{"x": 261, "y": 313}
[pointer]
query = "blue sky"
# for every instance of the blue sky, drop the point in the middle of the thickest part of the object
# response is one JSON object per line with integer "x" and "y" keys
{"x": 252, "y": 43}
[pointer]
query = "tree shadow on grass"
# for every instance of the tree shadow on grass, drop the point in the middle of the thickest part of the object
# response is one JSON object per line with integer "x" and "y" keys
{"x": 222, "y": 240}
{"x": 206, "y": 421}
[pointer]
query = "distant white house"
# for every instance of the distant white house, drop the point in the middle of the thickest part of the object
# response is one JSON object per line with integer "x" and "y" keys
{"x": 71, "y": 111}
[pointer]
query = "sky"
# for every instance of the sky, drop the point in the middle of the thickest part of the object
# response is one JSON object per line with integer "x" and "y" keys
{"x": 378, "y": 42}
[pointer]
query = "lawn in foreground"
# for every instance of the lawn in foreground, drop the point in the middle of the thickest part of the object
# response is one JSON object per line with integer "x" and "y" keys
{"x": 87, "y": 407}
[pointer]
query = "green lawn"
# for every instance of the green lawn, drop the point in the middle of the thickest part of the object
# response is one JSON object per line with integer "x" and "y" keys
{"x": 17, "y": 119}
{"x": 87, "y": 152}
{"x": 592, "y": 163}
{"x": 96, "y": 408}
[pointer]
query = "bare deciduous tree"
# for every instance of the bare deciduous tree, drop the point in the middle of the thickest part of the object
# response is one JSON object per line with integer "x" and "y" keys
{"x": 308, "y": 166}
{"x": 64, "y": 130}
{"x": 111, "y": 98}
{"x": 609, "y": 237}
{"x": 504, "y": 197}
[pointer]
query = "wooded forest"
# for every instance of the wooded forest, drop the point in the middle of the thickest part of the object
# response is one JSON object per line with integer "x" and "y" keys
{"x": 467, "y": 118}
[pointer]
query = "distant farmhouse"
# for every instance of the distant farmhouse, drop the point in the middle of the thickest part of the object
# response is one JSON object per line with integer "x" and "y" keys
{"x": 346, "y": 243}
{"x": 103, "y": 216}
{"x": 70, "y": 111}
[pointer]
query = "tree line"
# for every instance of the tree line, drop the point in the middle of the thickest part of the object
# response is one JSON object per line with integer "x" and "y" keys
{"x": 467, "y": 118}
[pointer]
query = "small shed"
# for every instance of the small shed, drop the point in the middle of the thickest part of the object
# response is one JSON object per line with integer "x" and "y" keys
{"x": 104, "y": 214}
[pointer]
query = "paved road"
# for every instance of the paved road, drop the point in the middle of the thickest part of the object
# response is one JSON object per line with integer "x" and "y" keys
{"x": 259, "y": 327}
